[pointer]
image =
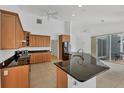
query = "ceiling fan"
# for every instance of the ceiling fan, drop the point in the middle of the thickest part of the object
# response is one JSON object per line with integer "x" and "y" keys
{"x": 51, "y": 14}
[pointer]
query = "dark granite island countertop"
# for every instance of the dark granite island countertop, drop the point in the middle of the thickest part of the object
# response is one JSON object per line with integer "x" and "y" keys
{"x": 82, "y": 70}
{"x": 22, "y": 60}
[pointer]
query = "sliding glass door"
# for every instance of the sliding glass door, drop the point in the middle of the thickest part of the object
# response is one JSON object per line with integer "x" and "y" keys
{"x": 103, "y": 47}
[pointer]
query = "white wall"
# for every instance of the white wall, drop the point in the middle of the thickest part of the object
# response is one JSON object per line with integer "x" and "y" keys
{"x": 48, "y": 27}
{"x": 67, "y": 27}
{"x": 81, "y": 34}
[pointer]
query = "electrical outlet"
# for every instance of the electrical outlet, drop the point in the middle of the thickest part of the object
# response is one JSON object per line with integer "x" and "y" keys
{"x": 5, "y": 73}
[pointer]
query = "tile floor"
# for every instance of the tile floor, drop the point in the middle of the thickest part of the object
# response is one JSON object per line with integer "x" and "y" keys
{"x": 113, "y": 78}
{"x": 43, "y": 75}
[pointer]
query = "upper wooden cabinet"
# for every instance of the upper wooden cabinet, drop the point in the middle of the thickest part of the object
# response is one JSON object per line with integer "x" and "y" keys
{"x": 8, "y": 31}
{"x": 39, "y": 41}
{"x": 11, "y": 32}
{"x": 0, "y": 33}
{"x": 19, "y": 34}
{"x": 65, "y": 38}
{"x": 32, "y": 40}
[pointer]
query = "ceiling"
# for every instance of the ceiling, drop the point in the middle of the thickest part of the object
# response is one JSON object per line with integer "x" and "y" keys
{"x": 73, "y": 12}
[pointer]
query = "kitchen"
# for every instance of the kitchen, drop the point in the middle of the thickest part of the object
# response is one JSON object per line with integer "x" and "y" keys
{"x": 32, "y": 39}
{"x": 20, "y": 49}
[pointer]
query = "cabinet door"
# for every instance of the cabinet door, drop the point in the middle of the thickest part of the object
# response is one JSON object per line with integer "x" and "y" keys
{"x": 15, "y": 77}
{"x": 32, "y": 40}
{"x": 8, "y": 31}
{"x": 62, "y": 80}
{"x": 40, "y": 57}
{"x": 32, "y": 58}
{"x": 0, "y": 33}
{"x": 19, "y": 34}
{"x": 37, "y": 40}
{"x": 65, "y": 38}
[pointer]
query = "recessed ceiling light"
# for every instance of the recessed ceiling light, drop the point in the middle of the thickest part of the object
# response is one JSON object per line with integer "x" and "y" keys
{"x": 79, "y": 5}
{"x": 73, "y": 14}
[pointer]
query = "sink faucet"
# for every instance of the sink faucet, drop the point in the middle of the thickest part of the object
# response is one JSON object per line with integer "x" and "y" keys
{"x": 80, "y": 51}
{"x": 81, "y": 56}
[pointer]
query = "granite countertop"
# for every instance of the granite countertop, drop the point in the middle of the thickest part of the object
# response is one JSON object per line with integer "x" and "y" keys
{"x": 82, "y": 70}
{"x": 22, "y": 60}
{"x": 6, "y": 54}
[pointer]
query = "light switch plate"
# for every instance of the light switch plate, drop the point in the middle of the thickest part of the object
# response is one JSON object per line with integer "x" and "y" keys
{"x": 5, "y": 73}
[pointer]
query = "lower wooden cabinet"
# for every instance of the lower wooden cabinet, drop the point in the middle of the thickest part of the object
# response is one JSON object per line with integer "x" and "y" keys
{"x": 15, "y": 77}
{"x": 40, "y": 57}
{"x": 62, "y": 79}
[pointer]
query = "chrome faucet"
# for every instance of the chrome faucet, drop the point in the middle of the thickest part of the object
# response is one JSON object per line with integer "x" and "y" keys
{"x": 81, "y": 56}
{"x": 80, "y": 50}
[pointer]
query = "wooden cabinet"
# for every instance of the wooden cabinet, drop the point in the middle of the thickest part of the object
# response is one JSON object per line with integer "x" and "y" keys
{"x": 39, "y": 41}
{"x": 32, "y": 40}
{"x": 11, "y": 31}
{"x": 62, "y": 79}
{"x": 0, "y": 32}
{"x": 40, "y": 57}
{"x": 8, "y": 31}
{"x": 62, "y": 38}
{"x": 26, "y": 38}
{"x": 32, "y": 58}
{"x": 65, "y": 38}
{"x": 15, "y": 77}
{"x": 19, "y": 34}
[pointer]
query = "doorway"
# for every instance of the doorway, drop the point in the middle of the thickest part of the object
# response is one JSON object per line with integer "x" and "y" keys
{"x": 103, "y": 47}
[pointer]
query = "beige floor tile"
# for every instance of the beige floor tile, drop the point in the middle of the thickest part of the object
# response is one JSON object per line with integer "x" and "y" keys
{"x": 43, "y": 75}
{"x": 120, "y": 85}
{"x": 111, "y": 78}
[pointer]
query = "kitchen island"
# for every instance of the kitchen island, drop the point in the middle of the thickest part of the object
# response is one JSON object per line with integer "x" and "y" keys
{"x": 79, "y": 73}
